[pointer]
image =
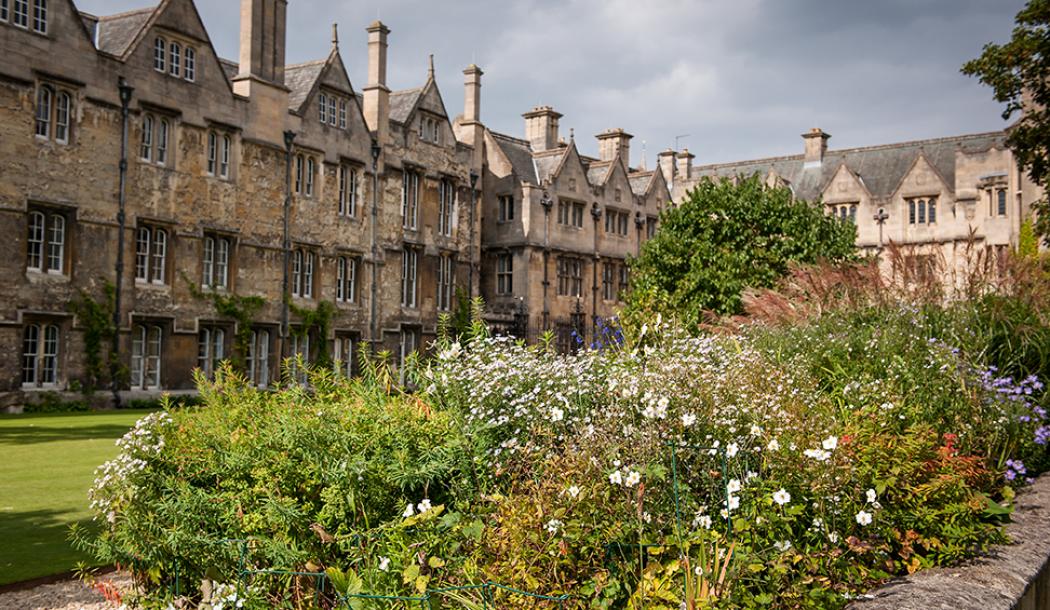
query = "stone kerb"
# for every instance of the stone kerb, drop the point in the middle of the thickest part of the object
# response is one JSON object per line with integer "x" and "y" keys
{"x": 1011, "y": 576}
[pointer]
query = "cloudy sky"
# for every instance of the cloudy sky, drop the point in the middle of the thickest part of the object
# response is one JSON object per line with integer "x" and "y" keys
{"x": 737, "y": 79}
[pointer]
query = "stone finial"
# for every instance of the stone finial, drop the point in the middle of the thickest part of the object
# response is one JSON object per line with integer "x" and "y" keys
{"x": 430, "y": 67}
{"x": 335, "y": 35}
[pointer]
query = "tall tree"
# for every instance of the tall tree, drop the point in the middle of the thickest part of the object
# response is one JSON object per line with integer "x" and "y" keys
{"x": 727, "y": 236}
{"x": 1019, "y": 74}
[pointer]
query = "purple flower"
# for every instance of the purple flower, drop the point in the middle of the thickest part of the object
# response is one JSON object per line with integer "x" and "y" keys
{"x": 1042, "y": 435}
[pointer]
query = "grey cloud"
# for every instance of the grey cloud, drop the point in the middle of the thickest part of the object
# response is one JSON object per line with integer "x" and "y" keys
{"x": 743, "y": 77}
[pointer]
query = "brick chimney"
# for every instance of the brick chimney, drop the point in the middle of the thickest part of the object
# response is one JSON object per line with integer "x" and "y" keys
{"x": 685, "y": 163}
{"x": 613, "y": 141}
{"x": 263, "y": 24}
{"x": 666, "y": 162}
{"x": 376, "y": 93}
{"x": 541, "y": 128}
{"x": 816, "y": 145}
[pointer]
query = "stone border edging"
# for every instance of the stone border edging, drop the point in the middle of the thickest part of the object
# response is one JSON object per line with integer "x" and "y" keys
{"x": 1010, "y": 576}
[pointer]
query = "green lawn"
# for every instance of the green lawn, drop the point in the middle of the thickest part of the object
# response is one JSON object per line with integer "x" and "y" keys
{"x": 46, "y": 467}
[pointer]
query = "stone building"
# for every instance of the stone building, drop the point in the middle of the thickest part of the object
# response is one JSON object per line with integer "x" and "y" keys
{"x": 558, "y": 227}
{"x": 937, "y": 198}
{"x": 381, "y": 222}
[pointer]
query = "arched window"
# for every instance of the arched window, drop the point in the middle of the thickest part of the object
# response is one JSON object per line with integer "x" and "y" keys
{"x": 331, "y": 110}
{"x": 30, "y": 353}
{"x": 35, "y": 240}
{"x": 40, "y": 354}
{"x": 151, "y": 249}
{"x": 160, "y": 250}
{"x": 1000, "y": 202}
{"x": 160, "y": 52}
{"x": 190, "y": 72}
{"x": 342, "y": 114}
{"x": 224, "y": 164}
{"x": 146, "y": 149}
{"x": 931, "y": 211}
{"x": 56, "y": 244}
{"x": 212, "y": 152}
{"x": 162, "y": 142}
{"x": 44, "y": 98}
{"x": 310, "y": 170}
{"x": 297, "y": 273}
{"x": 340, "y": 278}
{"x": 175, "y": 61}
{"x": 911, "y": 211}
{"x": 922, "y": 211}
{"x": 323, "y": 107}
{"x": 65, "y": 103}
{"x": 299, "y": 161}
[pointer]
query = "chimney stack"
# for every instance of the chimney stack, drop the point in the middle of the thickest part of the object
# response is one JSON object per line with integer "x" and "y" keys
{"x": 472, "y": 97}
{"x": 263, "y": 24}
{"x": 816, "y": 146}
{"x": 612, "y": 142}
{"x": 376, "y": 93}
{"x": 541, "y": 128}
{"x": 666, "y": 162}
{"x": 685, "y": 164}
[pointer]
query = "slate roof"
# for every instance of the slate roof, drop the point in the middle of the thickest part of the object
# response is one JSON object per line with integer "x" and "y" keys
{"x": 230, "y": 67}
{"x": 547, "y": 162}
{"x": 597, "y": 171}
{"x": 402, "y": 102}
{"x": 519, "y": 154}
{"x": 117, "y": 32}
{"x": 300, "y": 79}
{"x": 880, "y": 168}
{"x": 640, "y": 182}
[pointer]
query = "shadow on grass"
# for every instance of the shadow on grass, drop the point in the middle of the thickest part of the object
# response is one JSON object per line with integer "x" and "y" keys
{"x": 28, "y": 435}
{"x": 35, "y": 544}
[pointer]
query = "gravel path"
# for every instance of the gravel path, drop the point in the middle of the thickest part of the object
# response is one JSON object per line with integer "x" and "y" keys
{"x": 64, "y": 595}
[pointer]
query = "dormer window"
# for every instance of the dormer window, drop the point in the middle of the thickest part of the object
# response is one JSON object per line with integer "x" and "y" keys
{"x": 429, "y": 130}
{"x": 922, "y": 211}
{"x": 174, "y": 58}
{"x": 331, "y": 110}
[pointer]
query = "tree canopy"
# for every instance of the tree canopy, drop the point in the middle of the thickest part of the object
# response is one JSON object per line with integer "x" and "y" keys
{"x": 727, "y": 236}
{"x": 1019, "y": 74}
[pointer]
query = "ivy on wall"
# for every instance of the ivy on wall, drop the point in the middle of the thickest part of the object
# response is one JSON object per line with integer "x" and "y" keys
{"x": 241, "y": 309}
{"x": 318, "y": 321}
{"x": 96, "y": 318}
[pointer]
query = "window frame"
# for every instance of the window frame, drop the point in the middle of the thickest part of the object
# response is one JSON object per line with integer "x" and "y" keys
{"x": 45, "y": 103}
{"x": 41, "y": 362}
{"x": 39, "y": 17}
{"x": 410, "y": 199}
{"x": 43, "y": 241}
{"x": 446, "y": 207}
{"x": 175, "y": 59}
{"x": 347, "y": 268}
{"x": 160, "y": 54}
{"x": 505, "y": 210}
{"x": 152, "y": 245}
{"x": 410, "y": 277}
{"x": 505, "y": 274}
{"x": 215, "y": 261}
{"x": 446, "y": 281}
{"x": 258, "y": 358}
{"x": 189, "y": 68}
{"x": 348, "y": 184}
{"x": 149, "y": 369}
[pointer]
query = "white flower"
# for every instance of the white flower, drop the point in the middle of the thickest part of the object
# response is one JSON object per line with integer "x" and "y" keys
{"x": 632, "y": 479}
{"x": 773, "y": 445}
{"x": 688, "y": 419}
{"x": 817, "y": 454}
{"x": 409, "y": 511}
{"x": 864, "y": 518}
{"x": 733, "y": 486}
{"x": 553, "y": 526}
{"x": 756, "y": 430}
{"x": 557, "y": 414}
{"x": 732, "y": 449}
{"x": 833, "y": 537}
{"x": 782, "y": 497}
{"x": 818, "y": 523}
{"x": 830, "y": 443}
{"x": 734, "y": 502}
{"x": 384, "y": 563}
{"x": 783, "y": 545}
{"x": 424, "y": 505}
{"x": 616, "y": 478}
{"x": 574, "y": 491}
{"x": 705, "y": 522}
{"x": 871, "y": 496}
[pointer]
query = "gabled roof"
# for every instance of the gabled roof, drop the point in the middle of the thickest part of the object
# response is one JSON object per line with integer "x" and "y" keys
{"x": 300, "y": 80}
{"x": 519, "y": 154}
{"x": 548, "y": 162}
{"x": 879, "y": 168}
{"x": 403, "y": 102}
{"x": 116, "y": 33}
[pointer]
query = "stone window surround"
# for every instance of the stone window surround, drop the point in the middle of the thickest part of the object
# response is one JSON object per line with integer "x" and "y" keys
{"x": 178, "y": 47}
{"x": 50, "y": 211}
{"x": 217, "y": 235}
{"x": 49, "y": 329}
{"x": 35, "y": 16}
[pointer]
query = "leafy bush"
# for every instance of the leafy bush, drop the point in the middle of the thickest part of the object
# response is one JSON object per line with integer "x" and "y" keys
{"x": 725, "y": 237}
{"x": 776, "y": 466}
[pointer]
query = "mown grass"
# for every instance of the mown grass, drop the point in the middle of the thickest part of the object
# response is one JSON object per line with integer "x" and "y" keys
{"x": 47, "y": 463}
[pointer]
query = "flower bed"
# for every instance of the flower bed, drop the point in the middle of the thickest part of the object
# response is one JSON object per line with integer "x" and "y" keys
{"x": 773, "y": 467}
